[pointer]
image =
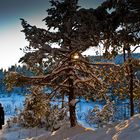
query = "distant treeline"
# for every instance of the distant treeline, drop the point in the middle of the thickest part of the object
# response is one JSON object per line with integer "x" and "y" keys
{"x": 19, "y": 90}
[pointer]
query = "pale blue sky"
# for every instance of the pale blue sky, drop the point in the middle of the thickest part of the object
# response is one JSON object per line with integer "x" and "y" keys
{"x": 11, "y": 39}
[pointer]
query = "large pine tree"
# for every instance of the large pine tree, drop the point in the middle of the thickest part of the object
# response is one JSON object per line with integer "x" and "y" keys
{"x": 75, "y": 29}
{"x": 67, "y": 71}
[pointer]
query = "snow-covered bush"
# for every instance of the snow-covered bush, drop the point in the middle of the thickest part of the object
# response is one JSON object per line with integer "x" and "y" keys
{"x": 101, "y": 117}
{"x": 36, "y": 108}
{"x": 38, "y": 112}
{"x": 56, "y": 118}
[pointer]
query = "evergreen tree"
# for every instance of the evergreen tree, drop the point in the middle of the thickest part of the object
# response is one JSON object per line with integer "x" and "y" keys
{"x": 69, "y": 73}
{"x": 36, "y": 108}
{"x": 123, "y": 35}
{"x": 64, "y": 69}
{"x": 2, "y": 84}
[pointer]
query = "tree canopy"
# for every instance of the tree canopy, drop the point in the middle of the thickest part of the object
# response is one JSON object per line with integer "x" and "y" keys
{"x": 74, "y": 29}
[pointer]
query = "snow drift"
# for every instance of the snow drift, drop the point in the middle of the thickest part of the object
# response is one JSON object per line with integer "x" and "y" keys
{"x": 125, "y": 130}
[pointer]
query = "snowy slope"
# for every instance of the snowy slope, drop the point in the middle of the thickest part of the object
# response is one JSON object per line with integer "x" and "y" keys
{"x": 126, "y": 130}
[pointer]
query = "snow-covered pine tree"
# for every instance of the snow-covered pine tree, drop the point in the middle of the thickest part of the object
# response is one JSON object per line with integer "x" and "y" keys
{"x": 102, "y": 116}
{"x": 73, "y": 30}
{"x": 67, "y": 74}
{"x": 36, "y": 108}
{"x": 125, "y": 38}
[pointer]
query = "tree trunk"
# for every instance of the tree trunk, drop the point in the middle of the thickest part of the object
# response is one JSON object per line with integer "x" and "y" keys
{"x": 131, "y": 83}
{"x": 131, "y": 91}
{"x": 124, "y": 56}
{"x": 73, "y": 121}
{"x": 62, "y": 101}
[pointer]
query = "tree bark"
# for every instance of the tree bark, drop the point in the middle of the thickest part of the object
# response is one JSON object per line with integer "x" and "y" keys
{"x": 131, "y": 91}
{"x": 73, "y": 121}
{"x": 63, "y": 100}
{"x": 124, "y": 56}
{"x": 131, "y": 83}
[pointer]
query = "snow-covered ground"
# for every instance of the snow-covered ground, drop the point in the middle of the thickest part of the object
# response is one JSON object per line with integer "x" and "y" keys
{"x": 82, "y": 109}
{"x": 126, "y": 130}
{"x": 17, "y": 133}
{"x": 12, "y": 105}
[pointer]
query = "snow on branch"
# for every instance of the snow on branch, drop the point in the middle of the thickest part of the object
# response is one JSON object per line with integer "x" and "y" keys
{"x": 73, "y": 102}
